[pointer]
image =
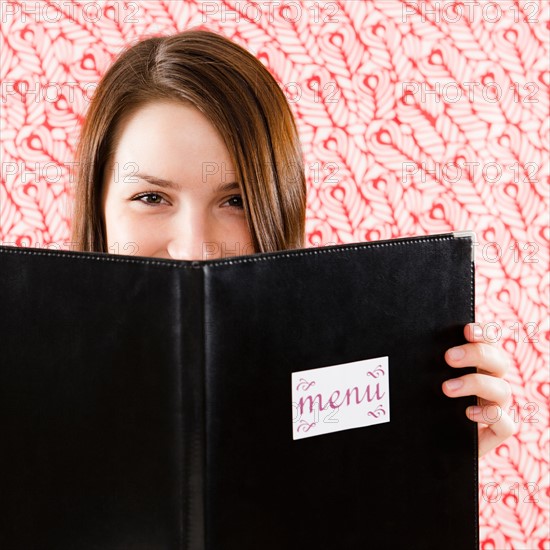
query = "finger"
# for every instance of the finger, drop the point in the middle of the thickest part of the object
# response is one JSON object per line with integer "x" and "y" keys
{"x": 479, "y": 332}
{"x": 499, "y": 426}
{"x": 490, "y": 359}
{"x": 493, "y": 390}
{"x": 473, "y": 332}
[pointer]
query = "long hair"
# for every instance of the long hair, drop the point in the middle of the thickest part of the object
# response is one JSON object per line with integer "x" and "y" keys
{"x": 241, "y": 99}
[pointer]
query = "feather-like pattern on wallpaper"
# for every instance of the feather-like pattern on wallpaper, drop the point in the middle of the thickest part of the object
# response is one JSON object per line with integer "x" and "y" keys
{"x": 416, "y": 117}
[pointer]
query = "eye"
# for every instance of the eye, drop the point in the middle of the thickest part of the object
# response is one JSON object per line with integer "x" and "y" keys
{"x": 236, "y": 201}
{"x": 155, "y": 198}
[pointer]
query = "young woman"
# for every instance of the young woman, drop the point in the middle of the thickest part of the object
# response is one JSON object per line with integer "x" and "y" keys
{"x": 190, "y": 151}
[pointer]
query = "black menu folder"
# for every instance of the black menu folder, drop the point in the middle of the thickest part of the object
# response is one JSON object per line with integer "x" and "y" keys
{"x": 286, "y": 400}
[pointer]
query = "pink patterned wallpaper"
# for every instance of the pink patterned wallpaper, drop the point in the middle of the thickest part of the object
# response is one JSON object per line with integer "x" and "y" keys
{"x": 416, "y": 117}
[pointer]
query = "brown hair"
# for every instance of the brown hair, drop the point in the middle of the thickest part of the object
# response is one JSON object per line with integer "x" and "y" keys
{"x": 240, "y": 98}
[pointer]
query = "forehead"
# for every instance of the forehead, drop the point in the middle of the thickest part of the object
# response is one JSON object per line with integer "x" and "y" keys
{"x": 171, "y": 141}
{"x": 169, "y": 131}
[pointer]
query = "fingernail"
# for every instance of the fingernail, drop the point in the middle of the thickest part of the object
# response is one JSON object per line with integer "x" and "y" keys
{"x": 456, "y": 353}
{"x": 454, "y": 384}
{"x": 474, "y": 410}
{"x": 478, "y": 332}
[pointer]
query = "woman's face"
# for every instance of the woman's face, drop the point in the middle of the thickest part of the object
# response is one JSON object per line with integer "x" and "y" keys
{"x": 170, "y": 188}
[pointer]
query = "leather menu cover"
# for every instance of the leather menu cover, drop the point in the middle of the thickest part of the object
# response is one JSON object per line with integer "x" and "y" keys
{"x": 278, "y": 400}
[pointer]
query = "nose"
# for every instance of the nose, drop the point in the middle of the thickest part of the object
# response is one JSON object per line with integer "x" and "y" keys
{"x": 189, "y": 240}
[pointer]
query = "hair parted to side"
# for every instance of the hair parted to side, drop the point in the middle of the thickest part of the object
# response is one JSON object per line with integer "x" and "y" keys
{"x": 241, "y": 99}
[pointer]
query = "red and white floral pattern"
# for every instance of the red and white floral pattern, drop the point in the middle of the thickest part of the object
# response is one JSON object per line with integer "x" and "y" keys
{"x": 416, "y": 117}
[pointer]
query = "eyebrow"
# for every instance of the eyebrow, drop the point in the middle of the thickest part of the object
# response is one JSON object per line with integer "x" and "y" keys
{"x": 160, "y": 182}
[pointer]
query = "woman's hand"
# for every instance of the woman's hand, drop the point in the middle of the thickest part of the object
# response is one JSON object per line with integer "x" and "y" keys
{"x": 492, "y": 391}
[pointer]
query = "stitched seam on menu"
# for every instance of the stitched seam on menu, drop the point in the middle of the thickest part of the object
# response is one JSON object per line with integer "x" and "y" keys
{"x": 181, "y": 462}
{"x": 306, "y": 252}
{"x": 203, "y": 436}
{"x": 309, "y": 252}
{"x": 476, "y": 442}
